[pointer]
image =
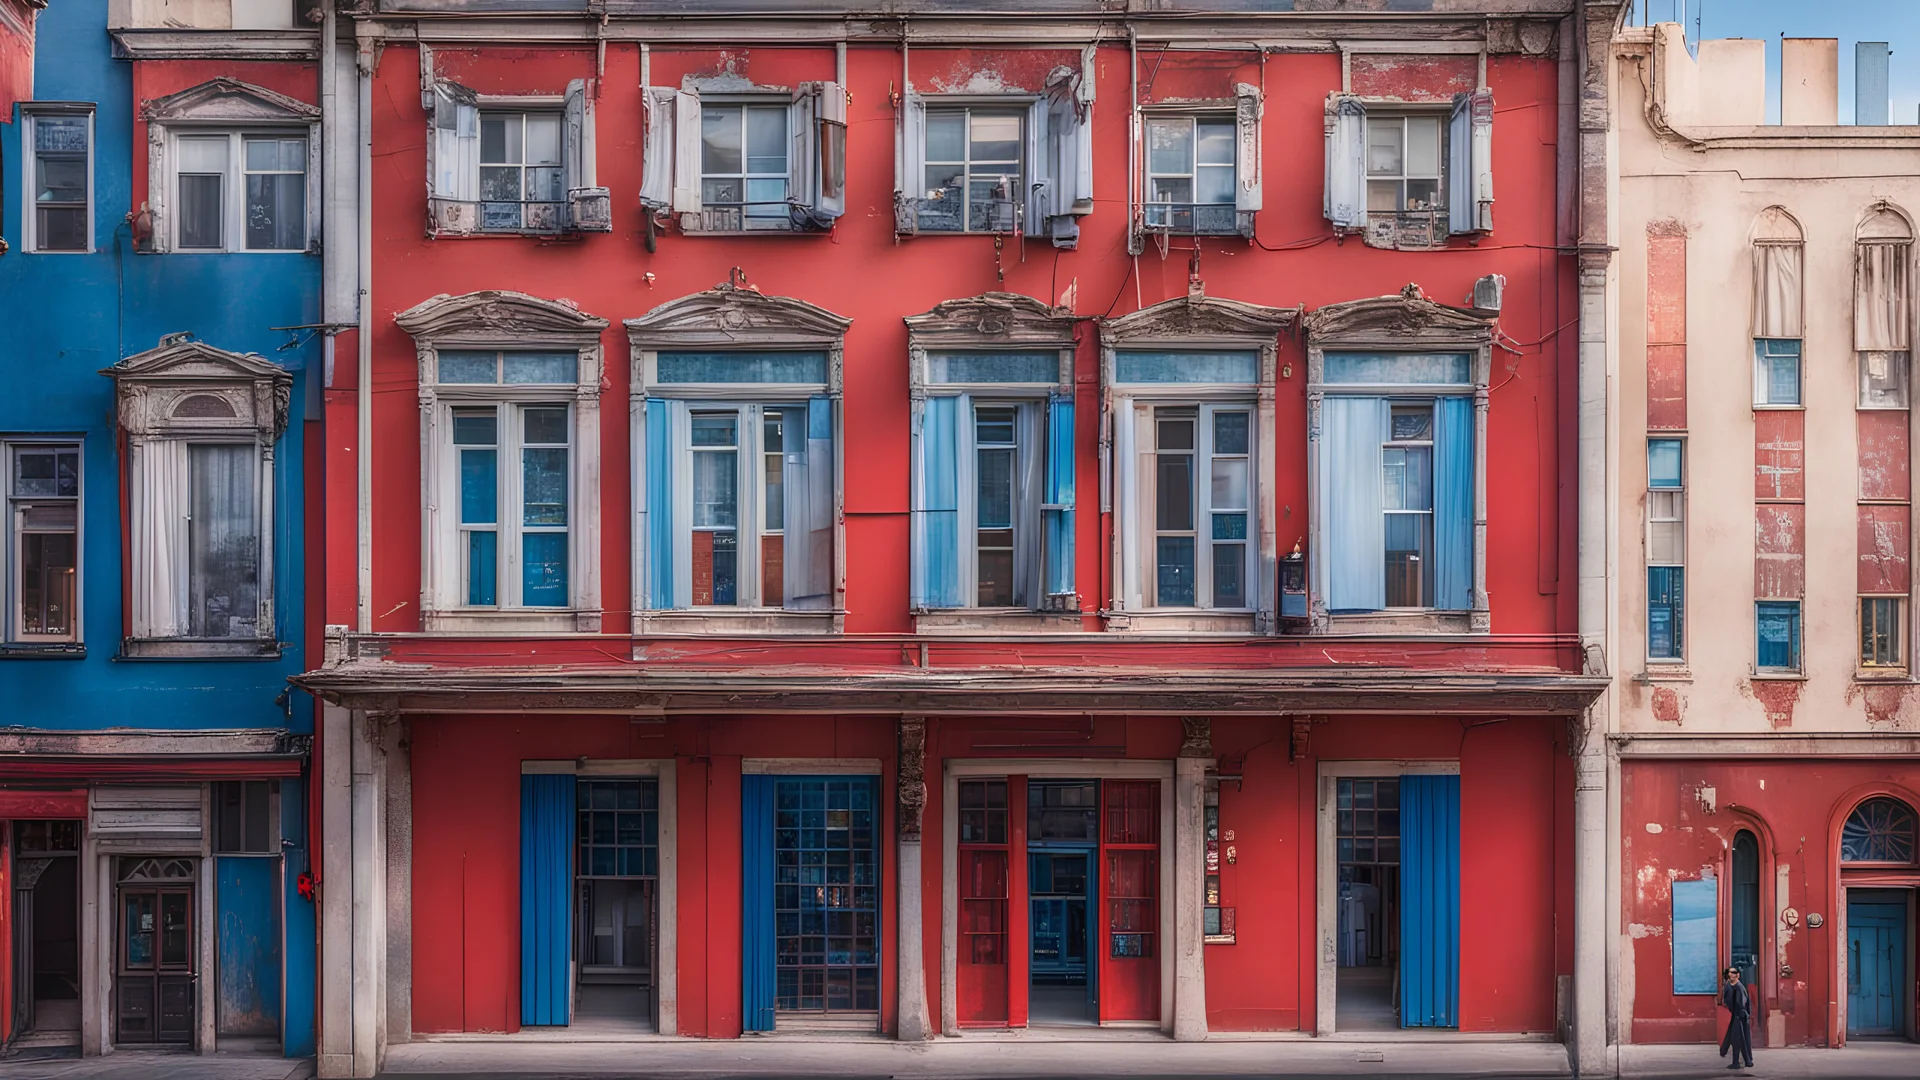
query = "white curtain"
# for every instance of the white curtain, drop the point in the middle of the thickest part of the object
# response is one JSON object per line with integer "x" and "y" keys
{"x": 223, "y": 542}
{"x": 159, "y": 471}
{"x": 1776, "y": 290}
{"x": 1352, "y": 430}
{"x": 1881, "y": 308}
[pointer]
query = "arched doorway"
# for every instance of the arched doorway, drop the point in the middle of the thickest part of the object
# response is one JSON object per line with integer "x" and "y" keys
{"x": 1879, "y": 872}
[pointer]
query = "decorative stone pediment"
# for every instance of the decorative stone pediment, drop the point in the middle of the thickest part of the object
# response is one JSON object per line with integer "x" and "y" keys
{"x": 994, "y": 318}
{"x": 1404, "y": 320}
{"x": 185, "y": 386}
{"x": 731, "y": 315}
{"x": 498, "y": 317}
{"x": 1199, "y": 317}
{"x": 229, "y": 101}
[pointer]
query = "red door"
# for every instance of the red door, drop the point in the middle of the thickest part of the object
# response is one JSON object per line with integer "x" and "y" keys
{"x": 1129, "y": 897}
{"x": 983, "y": 879}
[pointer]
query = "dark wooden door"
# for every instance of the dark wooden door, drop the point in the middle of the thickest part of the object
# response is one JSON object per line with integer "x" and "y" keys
{"x": 154, "y": 991}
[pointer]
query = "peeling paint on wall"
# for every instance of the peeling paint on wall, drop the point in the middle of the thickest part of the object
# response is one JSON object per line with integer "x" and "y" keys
{"x": 1779, "y": 551}
{"x": 1883, "y": 549}
{"x": 1885, "y": 705}
{"x": 1777, "y": 697}
{"x": 1779, "y": 454}
{"x": 1412, "y": 77}
{"x": 1667, "y": 705}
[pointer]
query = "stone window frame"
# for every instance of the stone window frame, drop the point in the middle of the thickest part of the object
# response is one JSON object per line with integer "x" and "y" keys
{"x": 223, "y": 106}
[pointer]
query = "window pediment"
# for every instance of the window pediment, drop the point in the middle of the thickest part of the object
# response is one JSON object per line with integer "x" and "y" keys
{"x": 993, "y": 318}
{"x": 497, "y": 316}
{"x": 186, "y": 384}
{"x": 729, "y": 315}
{"x": 1404, "y": 320}
{"x": 1197, "y": 316}
{"x": 228, "y": 101}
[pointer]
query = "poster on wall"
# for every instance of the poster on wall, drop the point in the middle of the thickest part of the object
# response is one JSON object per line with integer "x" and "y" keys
{"x": 1696, "y": 937}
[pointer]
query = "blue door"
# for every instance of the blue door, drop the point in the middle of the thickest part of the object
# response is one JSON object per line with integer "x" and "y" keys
{"x": 1430, "y": 901}
{"x": 249, "y": 918}
{"x": 547, "y": 816}
{"x": 1876, "y": 966}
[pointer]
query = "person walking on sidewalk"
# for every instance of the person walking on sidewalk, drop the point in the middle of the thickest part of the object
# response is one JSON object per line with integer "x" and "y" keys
{"x": 1739, "y": 1037}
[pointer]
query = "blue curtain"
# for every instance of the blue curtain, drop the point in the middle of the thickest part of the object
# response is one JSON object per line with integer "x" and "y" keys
{"x": 1453, "y": 503}
{"x": 547, "y": 813}
{"x": 659, "y": 504}
{"x": 757, "y": 967}
{"x": 937, "y": 569}
{"x": 1352, "y": 431}
{"x": 1429, "y": 901}
{"x": 1057, "y": 515}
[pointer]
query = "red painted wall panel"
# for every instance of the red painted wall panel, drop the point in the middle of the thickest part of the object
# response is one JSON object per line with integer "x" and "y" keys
{"x": 16, "y": 84}
{"x": 1780, "y": 551}
{"x": 1507, "y": 876}
{"x": 1885, "y": 471}
{"x": 1779, "y": 454}
{"x": 158, "y": 78}
{"x": 1884, "y": 545}
{"x": 1413, "y": 77}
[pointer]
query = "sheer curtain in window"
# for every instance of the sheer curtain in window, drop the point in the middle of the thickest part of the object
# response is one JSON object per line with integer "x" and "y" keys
{"x": 1776, "y": 290}
{"x": 1881, "y": 308}
{"x": 159, "y": 539}
{"x": 1352, "y": 430}
{"x": 223, "y": 542}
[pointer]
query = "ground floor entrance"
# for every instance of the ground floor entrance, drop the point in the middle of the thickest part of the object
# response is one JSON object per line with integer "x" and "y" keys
{"x": 1879, "y": 961}
{"x": 45, "y": 933}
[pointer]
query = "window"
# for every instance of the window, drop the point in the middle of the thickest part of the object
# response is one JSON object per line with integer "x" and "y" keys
{"x": 1190, "y": 174}
{"x": 1409, "y": 178}
{"x": 1882, "y": 307}
{"x": 973, "y": 170}
{"x": 60, "y": 178}
{"x": 1881, "y": 633}
{"x": 1880, "y": 830}
{"x": 1666, "y": 549}
{"x": 513, "y": 164}
{"x": 1745, "y": 932}
{"x": 43, "y": 511}
{"x": 1202, "y": 502}
{"x": 1778, "y": 631}
{"x": 755, "y": 161}
{"x": 241, "y": 192}
{"x": 1776, "y": 372}
{"x": 743, "y": 166}
{"x": 245, "y": 814}
{"x": 1405, "y": 156}
{"x": 1883, "y": 379}
{"x": 521, "y": 185}
{"x": 1696, "y": 936}
{"x": 514, "y": 463}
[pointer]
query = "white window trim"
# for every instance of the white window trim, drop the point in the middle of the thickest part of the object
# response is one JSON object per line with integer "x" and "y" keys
{"x": 233, "y": 190}
{"x": 225, "y": 106}
{"x": 1193, "y": 114}
{"x": 12, "y": 637}
{"x": 1194, "y": 322}
{"x": 994, "y": 322}
{"x": 1397, "y": 324}
{"x": 507, "y": 406}
{"x": 730, "y": 318}
{"x": 793, "y": 172}
{"x": 505, "y": 322}
{"x": 750, "y": 482}
{"x": 29, "y": 157}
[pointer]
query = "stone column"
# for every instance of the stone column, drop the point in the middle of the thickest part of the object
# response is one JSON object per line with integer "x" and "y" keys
{"x": 1189, "y": 879}
{"x": 335, "y": 1036}
{"x": 914, "y": 1022}
{"x": 369, "y": 893}
{"x": 353, "y": 891}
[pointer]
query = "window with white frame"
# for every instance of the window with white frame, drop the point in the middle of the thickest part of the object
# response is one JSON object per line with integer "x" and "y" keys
{"x": 510, "y": 470}
{"x": 1406, "y": 162}
{"x": 521, "y": 173}
{"x": 1779, "y": 257}
{"x": 240, "y": 191}
{"x": 58, "y": 215}
{"x": 1883, "y": 307}
{"x": 512, "y": 164}
{"x": 1776, "y": 371}
{"x": 974, "y": 165}
{"x": 43, "y": 541}
{"x": 747, "y": 162}
{"x": 1190, "y": 174}
{"x": 1410, "y": 176}
{"x": 1777, "y": 634}
{"x": 1008, "y": 164}
{"x": 993, "y": 482}
{"x": 202, "y": 425}
{"x": 1666, "y": 549}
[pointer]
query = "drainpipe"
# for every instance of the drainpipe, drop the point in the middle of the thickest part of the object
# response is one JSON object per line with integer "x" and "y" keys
{"x": 363, "y": 441}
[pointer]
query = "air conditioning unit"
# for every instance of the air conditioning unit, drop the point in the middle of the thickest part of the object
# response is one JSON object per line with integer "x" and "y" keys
{"x": 452, "y": 216}
{"x": 591, "y": 209}
{"x": 1488, "y": 291}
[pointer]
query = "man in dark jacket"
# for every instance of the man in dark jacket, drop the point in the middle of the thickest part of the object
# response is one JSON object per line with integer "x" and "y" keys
{"x": 1739, "y": 1037}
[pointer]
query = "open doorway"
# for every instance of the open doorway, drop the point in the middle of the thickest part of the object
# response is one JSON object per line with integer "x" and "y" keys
{"x": 617, "y": 910}
{"x": 1367, "y": 851}
{"x": 1063, "y": 839}
{"x": 46, "y": 934}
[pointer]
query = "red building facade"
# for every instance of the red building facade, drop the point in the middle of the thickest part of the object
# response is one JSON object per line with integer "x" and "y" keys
{"x": 865, "y": 532}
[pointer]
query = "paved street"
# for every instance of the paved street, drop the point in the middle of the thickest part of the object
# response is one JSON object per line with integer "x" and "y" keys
{"x": 1010, "y": 1057}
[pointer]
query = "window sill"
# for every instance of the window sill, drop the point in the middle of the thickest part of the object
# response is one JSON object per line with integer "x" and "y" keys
{"x": 749, "y": 621}
{"x": 1220, "y": 939}
{"x": 1779, "y": 408}
{"x": 755, "y": 232}
{"x": 512, "y": 621}
{"x": 996, "y": 620}
{"x": 1778, "y": 676}
{"x": 1658, "y": 673}
{"x": 43, "y": 650}
{"x": 1182, "y": 621}
{"x": 197, "y": 649}
{"x": 1883, "y": 675}
{"x": 1402, "y": 622}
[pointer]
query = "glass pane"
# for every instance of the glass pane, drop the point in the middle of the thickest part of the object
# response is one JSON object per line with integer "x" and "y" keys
{"x": 720, "y": 140}
{"x": 995, "y": 138}
{"x": 772, "y": 440}
{"x": 544, "y": 486}
{"x": 46, "y": 472}
{"x": 1419, "y": 369}
{"x": 1663, "y": 463}
{"x": 1230, "y": 483}
{"x": 1412, "y": 423}
{"x": 1213, "y": 184}
{"x": 543, "y": 139}
{"x": 766, "y": 140}
{"x": 1779, "y": 635}
{"x": 1783, "y": 384}
{"x": 946, "y": 136}
{"x": 1383, "y": 148}
{"x": 140, "y": 929}
{"x": 469, "y": 367}
{"x": 61, "y": 180}
{"x": 479, "y": 486}
{"x": 1408, "y": 477}
{"x": 1665, "y": 542}
{"x": 1186, "y": 367}
{"x": 1230, "y": 575}
{"x": 1214, "y": 143}
{"x": 545, "y": 424}
{"x": 993, "y": 426}
{"x": 545, "y": 184}
{"x": 482, "y": 568}
{"x": 1230, "y": 526}
{"x": 742, "y": 367}
{"x": 47, "y": 575}
{"x": 1173, "y": 492}
{"x": 766, "y": 199}
{"x": 1409, "y": 560}
{"x": 500, "y": 138}
{"x": 262, "y": 155}
{"x": 500, "y": 183}
{"x": 200, "y": 211}
{"x": 474, "y": 427}
{"x": 277, "y": 212}
{"x": 1174, "y": 577}
{"x": 1423, "y": 146}
{"x": 60, "y": 133}
{"x": 174, "y": 926}
{"x": 1384, "y": 196}
{"x": 543, "y": 581}
{"x": 223, "y": 542}
{"x": 714, "y": 481}
{"x": 62, "y": 229}
{"x": 1230, "y": 434}
{"x": 1031, "y": 367}
{"x": 996, "y": 489}
{"x": 203, "y": 155}
{"x": 1170, "y": 189}
{"x": 1423, "y": 194}
{"x": 1170, "y": 146}
{"x": 711, "y": 430}
{"x": 1883, "y": 380}
{"x": 538, "y": 367}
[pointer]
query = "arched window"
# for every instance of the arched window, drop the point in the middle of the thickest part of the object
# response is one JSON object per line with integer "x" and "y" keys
{"x": 1880, "y": 830}
{"x": 1746, "y": 907}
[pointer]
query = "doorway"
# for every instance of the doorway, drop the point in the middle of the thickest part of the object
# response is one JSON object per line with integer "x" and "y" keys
{"x": 1877, "y": 955}
{"x": 616, "y": 890}
{"x": 1367, "y": 849}
{"x": 46, "y": 933}
{"x": 1063, "y": 837}
{"x": 155, "y": 975}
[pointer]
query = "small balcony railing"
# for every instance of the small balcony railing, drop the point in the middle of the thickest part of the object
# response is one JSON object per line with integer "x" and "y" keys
{"x": 1192, "y": 219}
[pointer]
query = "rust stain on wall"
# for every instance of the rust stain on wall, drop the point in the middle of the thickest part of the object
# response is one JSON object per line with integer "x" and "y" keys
{"x": 1413, "y": 77}
{"x": 1884, "y": 471}
{"x": 1884, "y": 704}
{"x": 1667, "y": 705}
{"x": 1779, "y": 551}
{"x": 1777, "y": 697}
{"x": 1883, "y": 549}
{"x": 1779, "y": 454}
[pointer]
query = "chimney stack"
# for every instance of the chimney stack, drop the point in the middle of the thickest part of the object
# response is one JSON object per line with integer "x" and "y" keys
{"x": 1810, "y": 82}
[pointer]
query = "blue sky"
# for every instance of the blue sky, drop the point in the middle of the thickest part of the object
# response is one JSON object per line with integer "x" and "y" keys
{"x": 1896, "y": 22}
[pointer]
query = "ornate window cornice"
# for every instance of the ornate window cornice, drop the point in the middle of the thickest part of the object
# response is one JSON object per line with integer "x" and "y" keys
{"x": 992, "y": 320}
{"x": 185, "y": 387}
{"x": 499, "y": 317}
{"x": 1197, "y": 317}
{"x": 1406, "y": 321}
{"x": 733, "y": 316}
{"x": 228, "y": 101}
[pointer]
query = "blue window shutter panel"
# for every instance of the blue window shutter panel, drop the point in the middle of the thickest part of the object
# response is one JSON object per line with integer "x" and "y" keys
{"x": 1057, "y": 516}
{"x": 757, "y": 971}
{"x": 1430, "y": 901}
{"x": 547, "y": 813}
{"x": 1453, "y": 503}
{"x": 660, "y": 541}
{"x": 1352, "y": 431}
{"x": 937, "y": 528}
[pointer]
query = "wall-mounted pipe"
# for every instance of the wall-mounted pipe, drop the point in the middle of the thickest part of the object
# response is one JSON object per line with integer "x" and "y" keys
{"x": 363, "y": 391}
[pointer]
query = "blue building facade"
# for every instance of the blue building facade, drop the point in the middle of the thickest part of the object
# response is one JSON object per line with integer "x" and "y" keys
{"x": 159, "y": 206}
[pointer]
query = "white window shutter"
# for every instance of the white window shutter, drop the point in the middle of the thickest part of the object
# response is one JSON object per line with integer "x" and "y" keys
{"x": 1126, "y": 503}
{"x": 686, "y": 153}
{"x": 803, "y": 156}
{"x": 1483, "y": 159}
{"x": 589, "y": 206}
{"x": 573, "y": 135}
{"x": 1346, "y": 190}
{"x": 830, "y": 151}
{"x": 656, "y": 182}
{"x": 909, "y": 162}
{"x": 454, "y": 159}
{"x": 1038, "y": 198}
{"x": 1247, "y": 193}
{"x": 1460, "y": 209}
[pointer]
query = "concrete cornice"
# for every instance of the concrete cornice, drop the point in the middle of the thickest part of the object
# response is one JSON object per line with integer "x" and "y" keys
{"x": 1842, "y": 744}
{"x": 157, "y": 44}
